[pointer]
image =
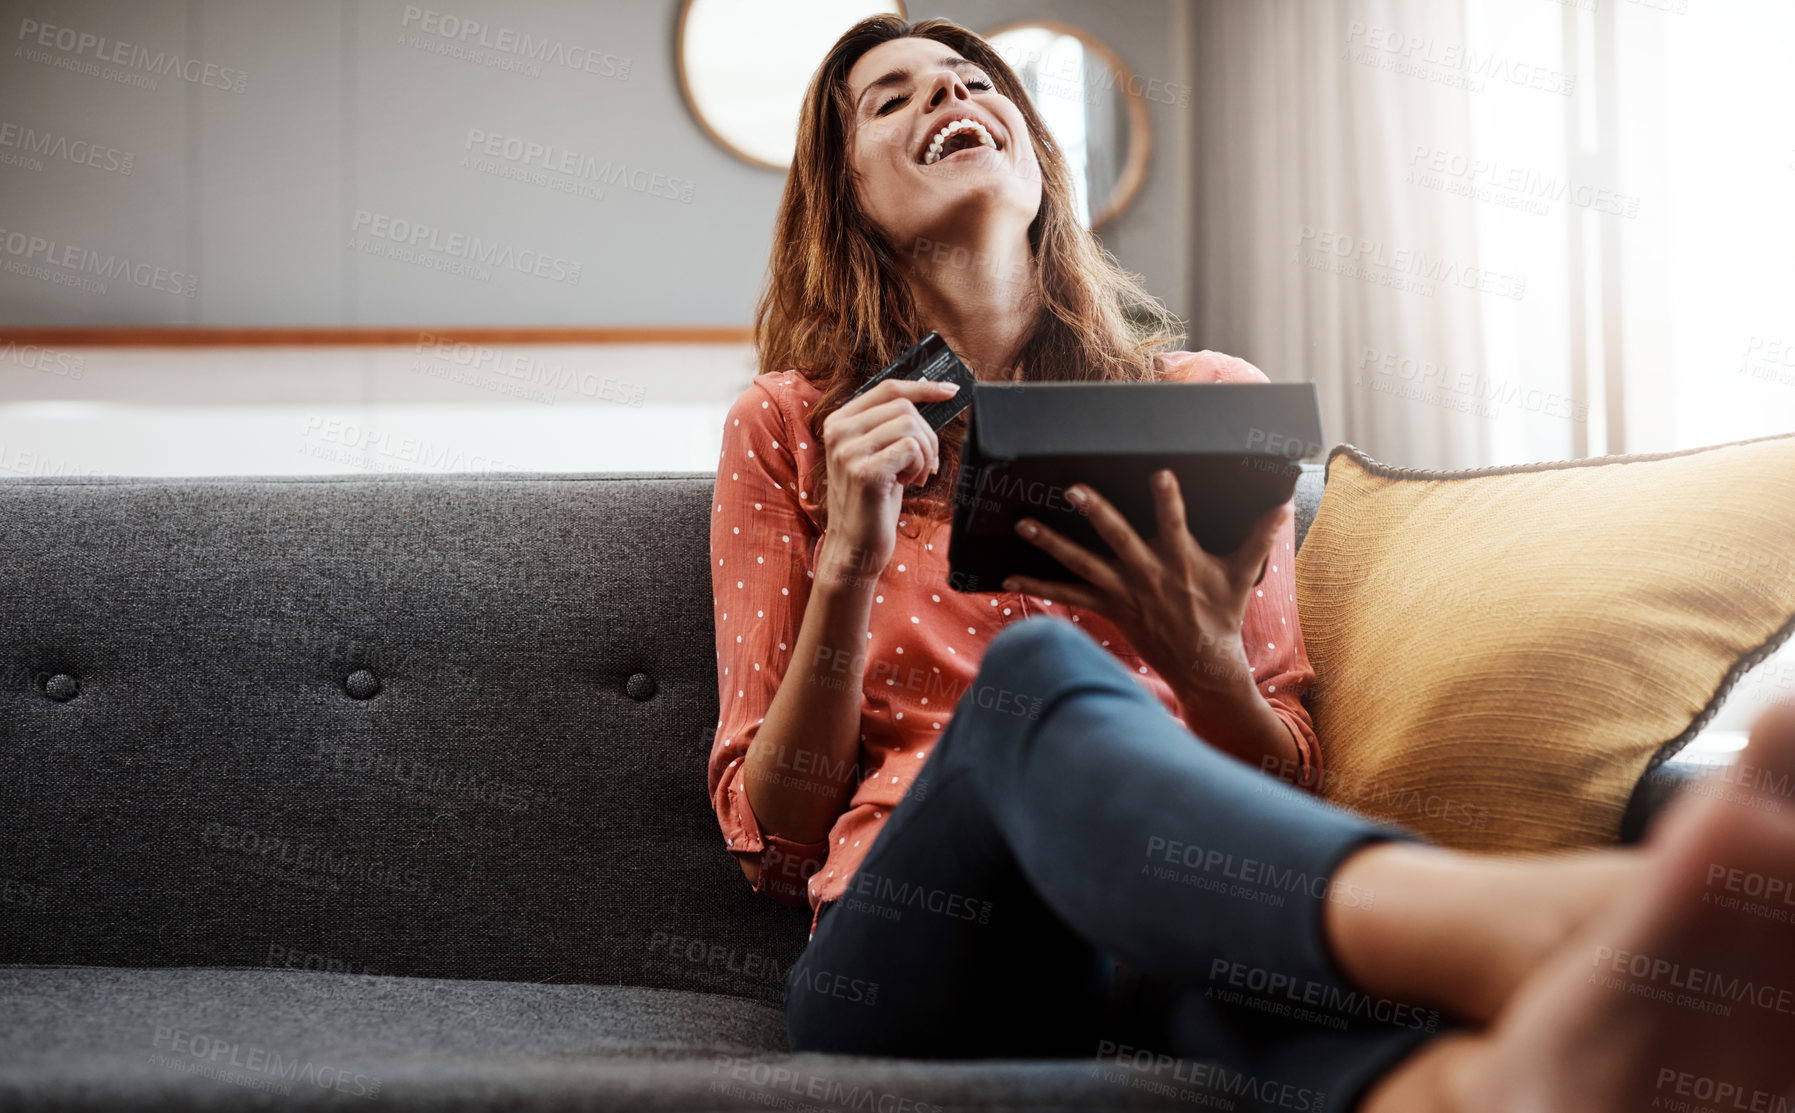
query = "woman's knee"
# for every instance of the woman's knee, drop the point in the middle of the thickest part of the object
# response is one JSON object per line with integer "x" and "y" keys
{"x": 1028, "y": 659}
{"x": 1036, "y": 638}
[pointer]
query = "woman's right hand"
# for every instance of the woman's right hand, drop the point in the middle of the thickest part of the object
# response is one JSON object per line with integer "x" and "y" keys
{"x": 877, "y": 444}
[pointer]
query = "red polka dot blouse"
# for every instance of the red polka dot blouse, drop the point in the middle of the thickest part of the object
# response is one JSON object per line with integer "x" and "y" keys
{"x": 924, "y": 640}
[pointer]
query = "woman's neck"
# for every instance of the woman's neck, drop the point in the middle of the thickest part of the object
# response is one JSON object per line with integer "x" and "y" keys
{"x": 980, "y": 296}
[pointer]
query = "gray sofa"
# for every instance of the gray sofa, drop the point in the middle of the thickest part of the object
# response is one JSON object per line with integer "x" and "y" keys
{"x": 321, "y": 790}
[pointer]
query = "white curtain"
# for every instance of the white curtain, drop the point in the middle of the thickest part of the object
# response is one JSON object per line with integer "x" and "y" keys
{"x": 1497, "y": 231}
{"x": 1626, "y": 168}
{"x": 1308, "y": 260}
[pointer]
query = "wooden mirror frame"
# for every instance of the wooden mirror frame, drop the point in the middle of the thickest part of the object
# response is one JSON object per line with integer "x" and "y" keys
{"x": 1140, "y": 129}
{"x": 685, "y": 90}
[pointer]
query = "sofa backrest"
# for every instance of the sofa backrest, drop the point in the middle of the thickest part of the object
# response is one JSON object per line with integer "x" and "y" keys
{"x": 452, "y": 726}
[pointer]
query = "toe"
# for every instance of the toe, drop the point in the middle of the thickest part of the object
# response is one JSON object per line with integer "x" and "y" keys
{"x": 1772, "y": 743}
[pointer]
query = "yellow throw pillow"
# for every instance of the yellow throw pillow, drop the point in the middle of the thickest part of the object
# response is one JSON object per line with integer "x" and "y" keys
{"x": 1500, "y": 654}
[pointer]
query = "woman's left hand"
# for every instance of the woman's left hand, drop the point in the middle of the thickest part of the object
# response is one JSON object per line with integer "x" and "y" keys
{"x": 1179, "y": 606}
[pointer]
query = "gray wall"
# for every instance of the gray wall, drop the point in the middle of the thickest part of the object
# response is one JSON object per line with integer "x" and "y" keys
{"x": 174, "y": 201}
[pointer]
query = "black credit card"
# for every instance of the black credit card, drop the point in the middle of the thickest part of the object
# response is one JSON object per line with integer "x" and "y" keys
{"x": 930, "y": 359}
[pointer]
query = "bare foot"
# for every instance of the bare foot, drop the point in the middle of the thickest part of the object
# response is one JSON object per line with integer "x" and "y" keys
{"x": 1680, "y": 994}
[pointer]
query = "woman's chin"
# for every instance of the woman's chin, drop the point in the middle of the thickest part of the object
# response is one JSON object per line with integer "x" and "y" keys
{"x": 972, "y": 192}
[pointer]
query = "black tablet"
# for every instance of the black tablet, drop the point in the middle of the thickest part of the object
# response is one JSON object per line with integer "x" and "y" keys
{"x": 1235, "y": 448}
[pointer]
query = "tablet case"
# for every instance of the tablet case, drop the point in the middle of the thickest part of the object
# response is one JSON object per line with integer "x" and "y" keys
{"x": 1234, "y": 447}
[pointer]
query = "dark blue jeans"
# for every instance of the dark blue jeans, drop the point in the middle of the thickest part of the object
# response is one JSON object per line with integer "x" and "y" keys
{"x": 1074, "y": 874}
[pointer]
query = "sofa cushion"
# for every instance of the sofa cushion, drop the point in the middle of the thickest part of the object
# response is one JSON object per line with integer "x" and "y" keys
{"x": 111, "y": 1039}
{"x": 439, "y": 725}
{"x": 449, "y": 726}
{"x": 1502, "y": 653}
{"x": 1310, "y": 486}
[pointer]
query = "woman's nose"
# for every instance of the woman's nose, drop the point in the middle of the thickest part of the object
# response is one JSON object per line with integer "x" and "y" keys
{"x": 950, "y": 86}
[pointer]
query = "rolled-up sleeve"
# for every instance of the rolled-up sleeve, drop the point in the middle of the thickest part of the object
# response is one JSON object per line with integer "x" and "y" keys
{"x": 760, "y": 547}
{"x": 1273, "y": 639}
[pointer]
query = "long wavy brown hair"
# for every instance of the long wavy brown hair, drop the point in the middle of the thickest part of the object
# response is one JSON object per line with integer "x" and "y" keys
{"x": 837, "y": 307}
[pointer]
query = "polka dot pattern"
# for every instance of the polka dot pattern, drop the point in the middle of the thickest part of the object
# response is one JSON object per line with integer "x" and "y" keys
{"x": 923, "y": 641}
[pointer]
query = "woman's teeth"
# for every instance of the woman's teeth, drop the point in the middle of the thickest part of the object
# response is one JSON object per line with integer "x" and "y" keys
{"x": 977, "y": 129}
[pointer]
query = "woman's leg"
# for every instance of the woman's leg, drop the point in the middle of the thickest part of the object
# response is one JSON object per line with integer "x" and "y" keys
{"x": 1097, "y": 813}
{"x": 1459, "y": 932}
{"x": 1679, "y": 993}
{"x": 940, "y": 949}
{"x": 1193, "y": 867}
{"x": 1157, "y": 848}
{"x": 1096, "y": 773}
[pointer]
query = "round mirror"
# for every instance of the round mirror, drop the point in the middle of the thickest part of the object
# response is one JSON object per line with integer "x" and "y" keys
{"x": 744, "y": 65}
{"x": 1092, "y": 104}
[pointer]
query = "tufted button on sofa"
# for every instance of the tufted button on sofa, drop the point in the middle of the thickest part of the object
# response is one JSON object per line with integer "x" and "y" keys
{"x": 361, "y": 684}
{"x": 640, "y": 687}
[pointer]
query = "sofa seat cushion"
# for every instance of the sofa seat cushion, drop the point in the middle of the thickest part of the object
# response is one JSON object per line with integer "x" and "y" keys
{"x": 84, "y": 1037}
